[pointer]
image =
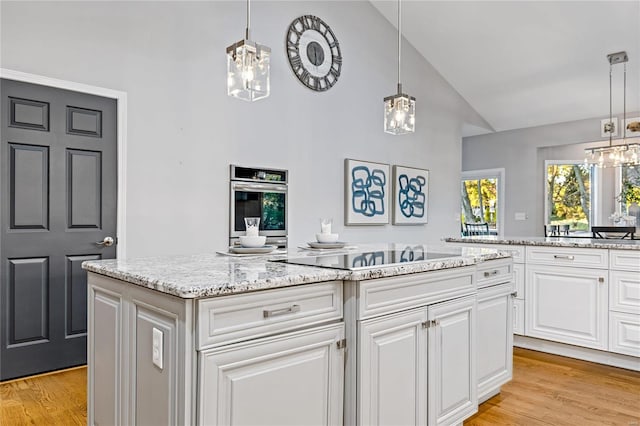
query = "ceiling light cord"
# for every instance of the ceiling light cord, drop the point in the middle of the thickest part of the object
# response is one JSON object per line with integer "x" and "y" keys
{"x": 624, "y": 104}
{"x": 610, "y": 105}
{"x": 399, "y": 43}
{"x": 248, "y": 20}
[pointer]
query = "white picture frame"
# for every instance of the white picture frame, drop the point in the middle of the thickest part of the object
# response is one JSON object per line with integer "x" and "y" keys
{"x": 410, "y": 195}
{"x": 366, "y": 192}
{"x": 630, "y": 133}
{"x": 604, "y": 133}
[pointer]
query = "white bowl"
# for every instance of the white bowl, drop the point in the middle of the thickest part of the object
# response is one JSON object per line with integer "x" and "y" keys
{"x": 257, "y": 241}
{"x": 327, "y": 238}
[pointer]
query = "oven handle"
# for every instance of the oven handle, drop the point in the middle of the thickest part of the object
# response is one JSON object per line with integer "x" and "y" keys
{"x": 254, "y": 186}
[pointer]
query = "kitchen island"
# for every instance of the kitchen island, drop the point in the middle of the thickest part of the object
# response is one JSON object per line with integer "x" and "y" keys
{"x": 213, "y": 339}
{"x": 577, "y": 297}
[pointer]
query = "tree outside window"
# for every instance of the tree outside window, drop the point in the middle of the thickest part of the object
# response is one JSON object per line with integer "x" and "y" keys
{"x": 629, "y": 196}
{"x": 479, "y": 202}
{"x": 569, "y": 196}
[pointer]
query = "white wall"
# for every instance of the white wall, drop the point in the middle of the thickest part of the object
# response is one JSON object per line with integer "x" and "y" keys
{"x": 523, "y": 153}
{"x": 184, "y": 130}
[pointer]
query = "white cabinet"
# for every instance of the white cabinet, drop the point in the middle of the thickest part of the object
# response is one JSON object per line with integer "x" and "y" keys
{"x": 518, "y": 316}
{"x": 624, "y": 302}
{"x": 452, "y": 385}
{"x": 495, "y": 337}
{"x": 392, "y": 369}
{"x": 567, "y": 305}
{"x": 289, "y": 379}
{"x": 421, "y": 355}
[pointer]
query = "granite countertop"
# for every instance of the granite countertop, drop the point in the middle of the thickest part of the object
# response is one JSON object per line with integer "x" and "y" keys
{"x": 551, "y": 242}
{"x": 209, "y": 275}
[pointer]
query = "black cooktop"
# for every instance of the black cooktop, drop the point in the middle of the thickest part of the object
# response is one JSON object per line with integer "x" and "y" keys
{"x": 368, "y": 259}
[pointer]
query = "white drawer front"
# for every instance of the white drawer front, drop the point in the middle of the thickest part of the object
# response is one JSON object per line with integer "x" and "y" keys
{"x": 625, "y": 260}
{"x": 234, "y": 318}
{"x": 386, "y": 295}
{"x": 518, "y": 278}
{"x": 494, "y": 272}
{"x": 561, "y": 256}
{"x": 624, "y": 333}
{"x": 518, "y": 316}
{"x": 624, "y": 291}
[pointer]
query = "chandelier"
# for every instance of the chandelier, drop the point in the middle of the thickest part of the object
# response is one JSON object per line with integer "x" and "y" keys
{"x": 399, "y": 109}
{"x": 248, "y": 67}
{"x": 622, "y": 154}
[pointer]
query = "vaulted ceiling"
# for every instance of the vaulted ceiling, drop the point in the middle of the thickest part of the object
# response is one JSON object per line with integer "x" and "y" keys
{"x": 527, "y": 63}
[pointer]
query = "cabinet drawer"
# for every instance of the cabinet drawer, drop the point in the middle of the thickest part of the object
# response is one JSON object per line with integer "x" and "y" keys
{"x": 386, "y": 295}
{"x": 624, "y": 291}
{"x": 624, "y": 333}
{"x": 234, "y": 318}
{"x": 518, "y": 316}
{"x": 625, "y": 260}
{"x": 560, "y": 256}
{"x": 494, "y": 272}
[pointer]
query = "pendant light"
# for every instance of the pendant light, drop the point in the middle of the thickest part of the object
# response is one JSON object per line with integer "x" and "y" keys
{"x": 399, "y": 109}
{"x": 615, "y": 155}
{"x": 248, "y": 67}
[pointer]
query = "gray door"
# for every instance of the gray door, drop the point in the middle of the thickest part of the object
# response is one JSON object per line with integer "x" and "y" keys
{"x": 57, "y": 199}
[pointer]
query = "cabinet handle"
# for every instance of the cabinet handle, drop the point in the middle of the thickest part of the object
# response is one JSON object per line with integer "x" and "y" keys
{"x": 563, "y": 256}
{"x": 275, "y": 312}
{"x": 601, "y": 279}
{"x": 490, "y": 273}
{"x": 514, "y": 294}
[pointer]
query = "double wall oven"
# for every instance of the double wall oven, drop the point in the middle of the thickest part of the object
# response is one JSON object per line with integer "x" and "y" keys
{"x": 259, "y": 193}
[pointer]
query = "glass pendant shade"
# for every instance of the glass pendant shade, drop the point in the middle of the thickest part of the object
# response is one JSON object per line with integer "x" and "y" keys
{"x": 248, "y": 70}
{"x": 399, "y": 114}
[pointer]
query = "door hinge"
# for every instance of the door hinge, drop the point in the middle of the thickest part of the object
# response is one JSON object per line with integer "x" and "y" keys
{"x": 342, "y": 343}
{"x": 430, "y": 323}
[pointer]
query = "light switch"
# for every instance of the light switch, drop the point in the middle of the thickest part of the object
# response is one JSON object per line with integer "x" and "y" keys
{"x": 521, "y": 216}
{"x": 157, "y": 349}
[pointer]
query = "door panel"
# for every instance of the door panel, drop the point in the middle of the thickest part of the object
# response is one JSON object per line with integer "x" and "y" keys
{"x": 57, "y": 199}
{"x": 28, "y": 294}
{"x": 29, "y": 195}
{"x": 84, "y": 195}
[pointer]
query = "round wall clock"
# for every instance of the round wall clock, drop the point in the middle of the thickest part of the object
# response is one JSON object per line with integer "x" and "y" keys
{"x": 314, "y": 53}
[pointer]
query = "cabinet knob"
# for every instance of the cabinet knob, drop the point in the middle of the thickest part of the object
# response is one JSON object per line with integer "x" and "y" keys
{"x": 601, "y": 279}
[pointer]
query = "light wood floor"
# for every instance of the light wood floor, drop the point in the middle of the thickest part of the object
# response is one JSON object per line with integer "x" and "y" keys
{"x": 546, "y": 390}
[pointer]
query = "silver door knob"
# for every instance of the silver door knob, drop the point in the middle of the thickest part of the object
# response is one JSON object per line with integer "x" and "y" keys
{"x": 107, "y": 242}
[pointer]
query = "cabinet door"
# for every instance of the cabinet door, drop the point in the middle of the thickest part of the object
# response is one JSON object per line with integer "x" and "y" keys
{"x": 495, "y": 353}
{"x": 289, "y": 379}
{"x": 518, "y": 316}
{"x": 392, "y": 369}
{"x": 452, "y": 361}
{"x": 567, "y": 305}
{"x": 624, "y": 333}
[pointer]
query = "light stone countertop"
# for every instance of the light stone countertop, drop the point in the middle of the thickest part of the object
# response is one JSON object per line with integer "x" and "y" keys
{"x": 551, "y": 242}
{"x": 209, "y": 275}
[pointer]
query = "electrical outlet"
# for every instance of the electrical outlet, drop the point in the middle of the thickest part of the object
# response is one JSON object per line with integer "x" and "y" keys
{"x": 156, "y": 348}
{"x": 521, "y": 216}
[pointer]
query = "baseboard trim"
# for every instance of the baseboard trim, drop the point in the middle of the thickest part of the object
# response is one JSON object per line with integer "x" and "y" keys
{"x": 585, "y": 354}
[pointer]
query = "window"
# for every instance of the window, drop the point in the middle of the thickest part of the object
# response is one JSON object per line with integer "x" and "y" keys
{"x": 629, "y": 195}
{"x": 482, "y": 199}
{"x": 568, "y": 195}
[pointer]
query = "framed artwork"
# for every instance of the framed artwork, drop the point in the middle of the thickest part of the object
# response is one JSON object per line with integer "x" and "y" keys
{"x": 366, "y": 193}
{"x": 604, "y": 131}
{"x": 633, "y": 126}
{"x": 410, "y": 195}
